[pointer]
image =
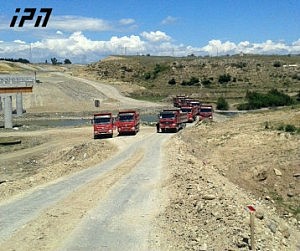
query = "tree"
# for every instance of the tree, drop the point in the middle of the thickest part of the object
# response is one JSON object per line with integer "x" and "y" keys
{"x": 222, "y": 104}
{"x": 67, "y": 61}
{"x": 54, "y": 61}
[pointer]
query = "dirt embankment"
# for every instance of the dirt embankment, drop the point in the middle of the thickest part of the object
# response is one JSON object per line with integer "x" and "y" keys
{"x": 216, "y": 169}
{"x": 48, "y": 155}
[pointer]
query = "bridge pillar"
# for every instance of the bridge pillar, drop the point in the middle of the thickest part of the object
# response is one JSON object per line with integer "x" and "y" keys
{"x": 7, "y": 111}
{"x": 19, "y": 104}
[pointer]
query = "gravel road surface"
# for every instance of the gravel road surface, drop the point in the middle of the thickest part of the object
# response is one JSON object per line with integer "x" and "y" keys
{"x": 113, "y": 205}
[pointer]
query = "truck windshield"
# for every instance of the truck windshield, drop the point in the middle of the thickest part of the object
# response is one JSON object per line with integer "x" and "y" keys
{"x": 102, "y": 120}
{"x": 126, "y": 117}
{"x": 205, "y": 110}
{"x": 186, "y": 109}
{"x": 168, "y": 115}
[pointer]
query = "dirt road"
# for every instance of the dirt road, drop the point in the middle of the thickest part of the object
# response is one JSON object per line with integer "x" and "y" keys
{"x": 64, "y": 190}
{"x": 110, "y": 205}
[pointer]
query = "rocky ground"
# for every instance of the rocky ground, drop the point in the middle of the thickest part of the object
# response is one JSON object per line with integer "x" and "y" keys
{"x": 215, "y": 171}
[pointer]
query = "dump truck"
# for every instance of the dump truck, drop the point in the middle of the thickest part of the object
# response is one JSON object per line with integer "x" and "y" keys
{"x": 128, "y": 122}
{"x": 206, "y": 112}
{"x": 103, "y": 124}
{"x": 178, "y": 100}
{"x": 172, "y": 120}
{"x": 192, "y": 112}
{"x": 197, "y": 104}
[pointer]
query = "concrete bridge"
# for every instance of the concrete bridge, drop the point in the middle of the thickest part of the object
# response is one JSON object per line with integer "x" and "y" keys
{"x": 13, "y": 86}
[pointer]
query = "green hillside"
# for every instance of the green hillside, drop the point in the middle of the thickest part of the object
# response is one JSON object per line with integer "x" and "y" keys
{"x": 206, "y": 78}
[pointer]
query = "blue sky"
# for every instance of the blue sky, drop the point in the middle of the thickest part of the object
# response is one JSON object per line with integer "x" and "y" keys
{"x": 89, "y": 30}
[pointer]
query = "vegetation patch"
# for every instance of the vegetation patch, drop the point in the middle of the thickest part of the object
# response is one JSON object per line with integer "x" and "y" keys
{"x": 258, "y": 100}
{"x": 222, "y": 104}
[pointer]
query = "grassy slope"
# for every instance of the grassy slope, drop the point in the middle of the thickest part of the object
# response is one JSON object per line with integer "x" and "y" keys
{"x": 250, "y": 72}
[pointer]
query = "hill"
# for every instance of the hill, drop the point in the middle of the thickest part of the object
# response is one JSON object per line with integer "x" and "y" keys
{"x": 204, "y": 77}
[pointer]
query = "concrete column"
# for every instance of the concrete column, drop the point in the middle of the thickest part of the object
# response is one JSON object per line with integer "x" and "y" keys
{"x": 19, "y": 104}
{"x": 8, "y": 112}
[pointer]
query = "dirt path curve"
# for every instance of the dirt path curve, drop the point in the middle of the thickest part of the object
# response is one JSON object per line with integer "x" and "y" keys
{"x": 108, "y": 206}
{"x": 112, "y": 93}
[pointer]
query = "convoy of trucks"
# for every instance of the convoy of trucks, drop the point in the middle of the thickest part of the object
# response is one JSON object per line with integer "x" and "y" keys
{"x": 170, "y": 120}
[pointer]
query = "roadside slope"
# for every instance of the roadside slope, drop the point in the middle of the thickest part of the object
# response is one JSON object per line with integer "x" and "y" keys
{"x": 216, "y": 169}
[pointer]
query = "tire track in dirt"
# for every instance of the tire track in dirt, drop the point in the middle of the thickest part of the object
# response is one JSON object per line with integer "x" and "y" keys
{"x": 53, "y": 225}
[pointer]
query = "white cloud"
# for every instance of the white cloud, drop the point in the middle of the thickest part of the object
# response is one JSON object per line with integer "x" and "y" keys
{"x": 74, "y": 23}
{"x": 156, "y": 36}
{"x": 59, "y": 33}
{"x": 19, "y": 41}
{"x": 79, "y": 48}
{"x": 169, "y": 20}
{"x": 215, "y": 47}
{"x": 126, "y": 21}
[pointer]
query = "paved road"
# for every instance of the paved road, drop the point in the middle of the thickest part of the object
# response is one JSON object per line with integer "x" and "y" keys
{"x": 118, "y": 215}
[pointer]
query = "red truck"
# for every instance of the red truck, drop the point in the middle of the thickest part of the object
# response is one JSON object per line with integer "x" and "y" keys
{"x": 192, "y": 112}
{"x": 103, "y": 124}
{"x": 172, "y": 120}
{"x": 178, "y": 100}
{"x": 206, "y": 112}
{"x": 197, "y": 104}
{"x": 128, "y": 122}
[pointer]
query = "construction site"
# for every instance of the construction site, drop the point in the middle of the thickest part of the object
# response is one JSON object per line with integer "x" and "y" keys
{"x": 94, "y": 158}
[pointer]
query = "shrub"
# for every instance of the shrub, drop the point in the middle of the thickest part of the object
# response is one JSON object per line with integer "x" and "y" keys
{"x": 147, "y": 75}
{"x": 172, "y": 81}
{"x": 225, "y": 78}
{"x": 184, "y": 83}
{"x": 194, "y": 80}
{"x": 206, "y": 82}
{"x": 290, "y": 128}
{"x": 277, "y": 64}
{"x": 272, "y": 98}
{"x": 222, "y": 104}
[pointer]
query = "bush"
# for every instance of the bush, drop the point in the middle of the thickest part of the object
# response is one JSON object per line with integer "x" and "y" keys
{"x": 67, "y": 61}
{"x": 222, "y": 104}
{"x": 277, "y": 64}
{"x": 225, "y": 78}
{"x": 272, "y": 98}
{"x": 147, "y": 75}
{"x": 172, "y": 81}
{"x": 194, "y": 80}
{"x": 206, "y": 82}
{"x": 290, "y": 128}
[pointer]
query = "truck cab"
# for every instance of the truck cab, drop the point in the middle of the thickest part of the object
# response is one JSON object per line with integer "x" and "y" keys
{"x": 191, "y": 111}
{"x": 206, "y": 112}
{"x": 103, "y": 125}
{"x": 128, "y": 122}
{"x": 172, "y": 120}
